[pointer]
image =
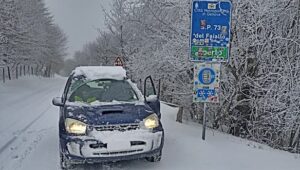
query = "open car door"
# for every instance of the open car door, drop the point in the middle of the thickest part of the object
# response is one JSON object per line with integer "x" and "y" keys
{"x": 151, "y": 97}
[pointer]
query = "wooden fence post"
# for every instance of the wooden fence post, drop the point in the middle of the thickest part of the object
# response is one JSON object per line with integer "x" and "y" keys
{"x": 179, "y": 114}
{"x": 20, "y": 71}
{"x": 8, "y": 72}
{"x": 3, "y": 73}
{"x": 17, "y": 72}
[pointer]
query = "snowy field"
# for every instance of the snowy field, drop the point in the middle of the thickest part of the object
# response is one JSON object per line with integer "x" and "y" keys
{"x": 29, "y": 138}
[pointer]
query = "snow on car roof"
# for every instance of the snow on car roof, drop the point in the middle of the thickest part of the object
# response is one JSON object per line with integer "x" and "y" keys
{"x": 100, "y": 72}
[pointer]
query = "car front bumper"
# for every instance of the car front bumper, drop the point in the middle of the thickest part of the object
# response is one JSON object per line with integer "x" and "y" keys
{"x": 107, "y": 146}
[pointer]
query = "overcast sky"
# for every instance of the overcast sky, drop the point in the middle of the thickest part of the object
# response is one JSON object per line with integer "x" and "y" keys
{"x": 79, "y": 19}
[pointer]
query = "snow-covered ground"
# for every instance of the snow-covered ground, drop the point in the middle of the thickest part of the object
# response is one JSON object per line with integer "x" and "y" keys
{"x": 29, "y": 137}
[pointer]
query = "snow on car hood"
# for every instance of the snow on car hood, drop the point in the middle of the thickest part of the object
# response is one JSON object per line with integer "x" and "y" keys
{"x": 109, "y": 114}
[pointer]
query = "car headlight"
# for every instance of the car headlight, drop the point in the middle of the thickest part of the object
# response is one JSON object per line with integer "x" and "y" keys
{"x": 75, "y": 126}
{"x": 151, "y": 121}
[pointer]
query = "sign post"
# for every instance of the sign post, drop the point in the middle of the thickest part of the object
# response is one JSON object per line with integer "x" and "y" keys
{"x": 209, "y": 46}
{"x": 204, "y": 122}
{"x": 206, "y": 86}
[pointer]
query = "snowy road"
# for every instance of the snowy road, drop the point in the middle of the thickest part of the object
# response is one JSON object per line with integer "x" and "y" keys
{"x": 29, "y": 138}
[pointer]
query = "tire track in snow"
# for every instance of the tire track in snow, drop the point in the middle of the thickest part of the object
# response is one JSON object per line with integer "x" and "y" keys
{"x": 21, "y": 155}
{"x": 23, "y": 138}
{"x": 25, "y": 106}
{"x": 11, "y": 102}
{"x": 10, "y": 142}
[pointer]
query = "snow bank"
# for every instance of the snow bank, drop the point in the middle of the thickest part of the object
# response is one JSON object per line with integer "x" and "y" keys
{"x": 101, "y": 72}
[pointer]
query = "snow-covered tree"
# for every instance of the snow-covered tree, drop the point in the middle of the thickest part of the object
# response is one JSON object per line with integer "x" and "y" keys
{"x": 260, "y": 85}
{"x": 29, "y": 37}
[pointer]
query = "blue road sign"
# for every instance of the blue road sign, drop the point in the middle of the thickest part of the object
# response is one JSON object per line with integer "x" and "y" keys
{"x": 210, "y": 30}
{"x": 207, "y": 76}
{"x": 204, "y": 94}
{"x": 206, "y": 82}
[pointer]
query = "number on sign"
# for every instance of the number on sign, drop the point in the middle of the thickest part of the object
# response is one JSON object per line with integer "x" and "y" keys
{"x": 217, "y": 27}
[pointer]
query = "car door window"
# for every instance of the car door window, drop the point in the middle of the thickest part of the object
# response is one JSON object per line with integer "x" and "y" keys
{"x": 149, "y": 89}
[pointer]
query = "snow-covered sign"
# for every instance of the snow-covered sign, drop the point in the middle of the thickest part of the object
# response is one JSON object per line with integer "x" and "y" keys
{"x": 119, "y": 62}
{"x": 206, "y": 82}
{"x": 210, "y": 30}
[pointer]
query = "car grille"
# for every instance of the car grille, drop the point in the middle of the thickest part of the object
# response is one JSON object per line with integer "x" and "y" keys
{"x": 118, "y": 127}
{"x": 119, "y": 153}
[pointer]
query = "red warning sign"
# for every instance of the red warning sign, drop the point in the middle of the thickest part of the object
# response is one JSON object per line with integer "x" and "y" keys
{"x": 119, "y": 62}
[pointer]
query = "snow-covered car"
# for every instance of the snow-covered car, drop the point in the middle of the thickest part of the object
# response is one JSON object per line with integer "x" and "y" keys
{"x": 104, "y": 117}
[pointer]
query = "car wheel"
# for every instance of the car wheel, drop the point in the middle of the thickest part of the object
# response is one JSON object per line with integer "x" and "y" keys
{"x": 65, "y": 163}
{"x": 155, "y": 158}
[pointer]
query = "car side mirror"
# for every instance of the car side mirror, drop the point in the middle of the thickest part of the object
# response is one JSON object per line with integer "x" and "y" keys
{"x": 57, "y": 101}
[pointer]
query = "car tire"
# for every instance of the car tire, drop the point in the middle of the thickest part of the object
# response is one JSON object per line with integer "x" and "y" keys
{"x": 65, "y": 163}
{"x": 155, "y": 158}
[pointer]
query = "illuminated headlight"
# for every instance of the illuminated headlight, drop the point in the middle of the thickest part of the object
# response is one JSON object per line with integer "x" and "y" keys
{"x": 75, "y": 126}
{"x": 151, "y": 121}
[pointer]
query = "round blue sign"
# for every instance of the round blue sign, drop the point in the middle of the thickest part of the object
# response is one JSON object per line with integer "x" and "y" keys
{"x": 207, "y": 76}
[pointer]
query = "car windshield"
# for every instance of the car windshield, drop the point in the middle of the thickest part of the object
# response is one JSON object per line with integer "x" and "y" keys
{"x": 101, "y": 91}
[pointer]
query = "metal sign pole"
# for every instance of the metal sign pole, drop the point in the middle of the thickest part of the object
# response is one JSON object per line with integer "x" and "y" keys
{"x": 204, "y": 122}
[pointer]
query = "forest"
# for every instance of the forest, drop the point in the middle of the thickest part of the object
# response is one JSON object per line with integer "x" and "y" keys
{"x": 30, "y": 41}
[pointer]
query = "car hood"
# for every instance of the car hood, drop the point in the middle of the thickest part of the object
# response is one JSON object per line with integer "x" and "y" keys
{"x": 109, "y": 114}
